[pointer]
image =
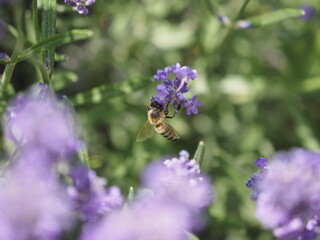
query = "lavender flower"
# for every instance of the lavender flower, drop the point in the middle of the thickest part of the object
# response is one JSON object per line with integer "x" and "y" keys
{"x": 81, "y": 5}
{"x": 262, "y": 164}
{"x": 90, "y": 196}
{"x": 243, "y": 24}
{"x": 309, "y": 12}
{"x": 192, "y": 105}
{"x": 39, "y": 119}
{"x": 288, "y": 194}
{"x": 3, "y": 56}
{"x": 32, "y": 206}
{"x": 172, "y": 91}
{"x": 149, "y": 222}
{"x": 223, "y": 19}
{"x": 179, "y": 181}
{"x": 176, "y": 193}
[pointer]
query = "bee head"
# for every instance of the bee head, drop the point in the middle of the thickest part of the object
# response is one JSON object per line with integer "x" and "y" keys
{"x": 156, "y": 105}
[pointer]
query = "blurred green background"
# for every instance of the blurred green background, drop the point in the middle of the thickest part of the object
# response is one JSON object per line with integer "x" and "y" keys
{"x": 259, "y": 88}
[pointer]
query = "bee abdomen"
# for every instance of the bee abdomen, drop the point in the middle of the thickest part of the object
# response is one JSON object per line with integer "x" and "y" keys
{"x": 167, "y": 131}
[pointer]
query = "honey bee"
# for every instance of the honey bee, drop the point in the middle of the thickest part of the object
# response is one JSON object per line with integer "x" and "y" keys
{"x": 156, "y": 116}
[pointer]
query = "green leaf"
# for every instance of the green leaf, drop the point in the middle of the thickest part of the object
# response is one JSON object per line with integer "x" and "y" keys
{"x": 198, "y": 156}
{"x": 101, "y": 93}
{"x": 49, "y": 28}
{"x": 56, "y": 41}
{"x": 275, "y": 17}
{"x": 190, "y": 236}
{"x": 130, "y": 196}
{"x": 35, "y": 19}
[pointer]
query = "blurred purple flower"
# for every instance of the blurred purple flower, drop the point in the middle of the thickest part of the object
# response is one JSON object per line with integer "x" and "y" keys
{"x": 223, "y": 19}
{"x": 309, "y": 12}
{"x": 288, "y": 195}
{"x": 174, "y": 193}
{"x": 192, "y": 105}
{"x": 90, "y": 195}
{"x": 39, "y": 119}
{"x": 33, "y": 206}
{"x": 243, "y": 24}
{"x": 3, "y": 56}
{"x": 179, "y": 181}
{"x": 172, "y": 91}
{"x": 141, "y": 222}
{"x": 81, "y": 5}
{"x": 262, "y": 164}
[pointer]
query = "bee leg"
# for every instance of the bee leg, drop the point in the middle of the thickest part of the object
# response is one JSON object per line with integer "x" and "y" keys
{"x": 177, "y": 111}
{"x": 166, "y": 111}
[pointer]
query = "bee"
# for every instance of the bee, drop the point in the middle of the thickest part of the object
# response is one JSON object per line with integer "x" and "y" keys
{"x": 156, "y": 116}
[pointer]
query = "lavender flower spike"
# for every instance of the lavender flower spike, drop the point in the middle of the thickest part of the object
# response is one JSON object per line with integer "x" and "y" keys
{"x": 179, "y": 180}
{"x": 287, "y": 194}
{"x": 39, "y": 120}
{"x": 177, "y": 193}
{"x": 33, "y": 206}
{"x": 143, "y": 222}
{"x": 81, "y": 5}
{"x": 172, "y": 89}
{"x": 91, "y": 197}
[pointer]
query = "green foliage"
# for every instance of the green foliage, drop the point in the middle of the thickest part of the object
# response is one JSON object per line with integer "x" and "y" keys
{"x": 275, "y": 17}
{"x": 49, "y": 27}
{"x": 198, "y": 156}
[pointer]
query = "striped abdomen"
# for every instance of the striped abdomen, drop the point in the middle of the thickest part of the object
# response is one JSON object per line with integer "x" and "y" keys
{"x": 167, "y": 131}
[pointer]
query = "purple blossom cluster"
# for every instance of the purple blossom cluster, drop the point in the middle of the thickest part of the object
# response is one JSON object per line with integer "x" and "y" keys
{"x": 172, "y": 91}
{"x": 38, "y": 120}
{"x": 90, "y": 196}
{"x": 174, "y": 193}
{"x": 44, "y": 144}
{"x": 80, "y": 5}
{"x": 287, "y": 194}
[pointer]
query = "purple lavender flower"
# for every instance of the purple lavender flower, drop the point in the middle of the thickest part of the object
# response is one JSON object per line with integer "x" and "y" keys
{"x": 90, "y": 196}
{"x": 39, "y": 119}
{"x": 288, "y": 194}
{"x": 143, "y": 222}
{"x": 309, "y": 12}
{"x": 33, "y": 206}
{"x": 223, "y": 19}
{"x": 81, "y": 5}
{"x": 172, "y": 91}
{"x": 3, "y": 56}
{"x": 262, "y": 164}
{"x": 243, "y": 24}
{"x": 179, "y": 181}
{"x": 174, "y": 193}
{"x": 192, "y": 105}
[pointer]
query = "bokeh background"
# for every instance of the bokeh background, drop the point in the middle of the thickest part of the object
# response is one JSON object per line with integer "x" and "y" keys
{"x": 259, "y": 88}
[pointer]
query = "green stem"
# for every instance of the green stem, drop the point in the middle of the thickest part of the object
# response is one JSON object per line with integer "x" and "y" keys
{"x": 242, "y": 9}
{"x": 49, "y": 29}
{"x": 211, "y": 7}
{"x": 7, "y": 74}
{"x": 42, "y": 69}
{"x": 35, "y": 20}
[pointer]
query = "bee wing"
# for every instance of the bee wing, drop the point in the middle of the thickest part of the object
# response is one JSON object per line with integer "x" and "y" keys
{"x": 146, "y": 132}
